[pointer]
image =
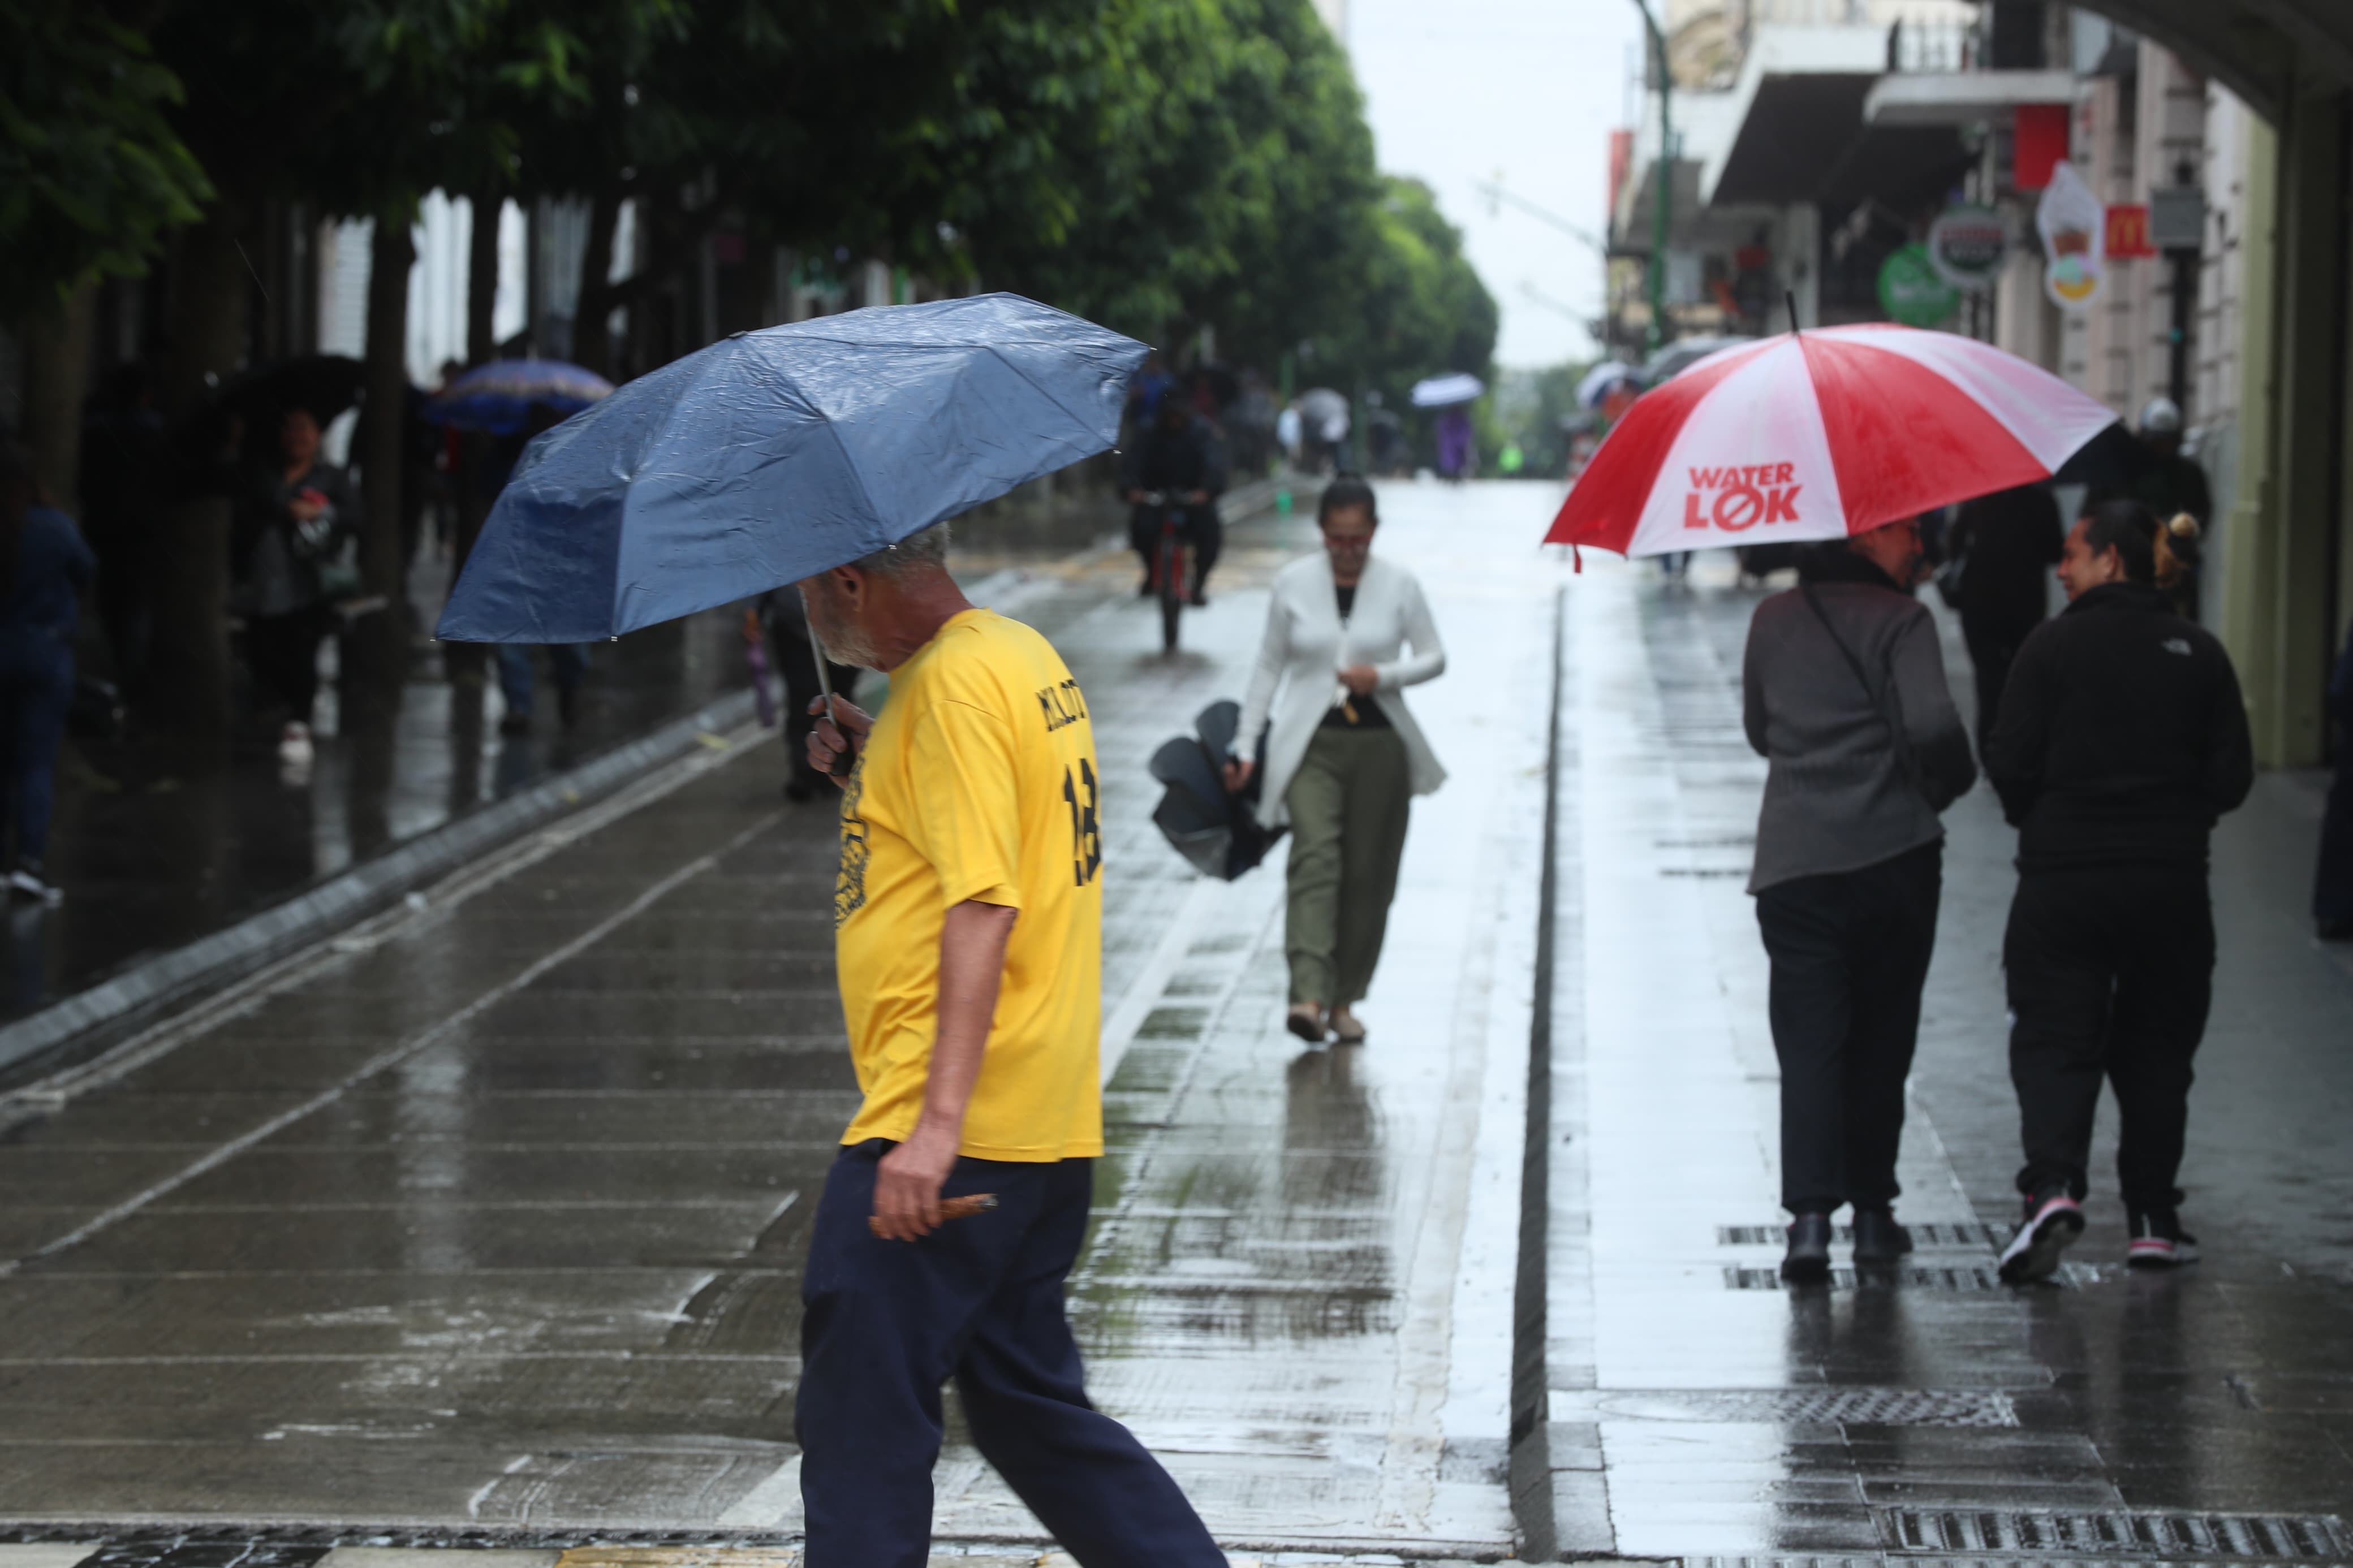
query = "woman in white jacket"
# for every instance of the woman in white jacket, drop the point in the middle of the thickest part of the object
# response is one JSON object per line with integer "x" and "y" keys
{"x": 1344, "y": 756}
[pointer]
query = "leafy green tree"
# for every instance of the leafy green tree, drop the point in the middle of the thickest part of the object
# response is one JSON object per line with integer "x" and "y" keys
{"x": 1417, "y": 308}
{"x": 92, "y": 176}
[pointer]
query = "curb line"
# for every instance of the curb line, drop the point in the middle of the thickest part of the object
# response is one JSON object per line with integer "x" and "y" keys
{"x": 1530, "y": 1464}
{"x": 238, "y": 949}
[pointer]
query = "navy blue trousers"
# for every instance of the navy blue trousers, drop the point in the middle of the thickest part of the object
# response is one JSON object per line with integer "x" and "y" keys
{"x": 980, "y": 1301}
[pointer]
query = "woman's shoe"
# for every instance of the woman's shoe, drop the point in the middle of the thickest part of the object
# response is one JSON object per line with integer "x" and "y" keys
{"x": 2053, "y": 1220}
{"x": 26, "y": 881}
{"x": 1306, "y": 1019}
{"x": 1878, "y": 1238}
{"x": 1346, "y": 1027}
{"x": 1808, "y": 1261}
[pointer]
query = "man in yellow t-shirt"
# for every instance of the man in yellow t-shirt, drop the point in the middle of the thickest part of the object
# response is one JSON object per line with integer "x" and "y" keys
{"x": 968, "y": 939}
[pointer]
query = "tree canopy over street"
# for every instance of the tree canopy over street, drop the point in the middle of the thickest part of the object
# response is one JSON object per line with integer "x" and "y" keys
{"x": 1159, "y": 165}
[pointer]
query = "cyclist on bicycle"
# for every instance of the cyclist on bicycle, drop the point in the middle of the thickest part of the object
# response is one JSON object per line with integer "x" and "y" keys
{"x": 1178, "y": 456}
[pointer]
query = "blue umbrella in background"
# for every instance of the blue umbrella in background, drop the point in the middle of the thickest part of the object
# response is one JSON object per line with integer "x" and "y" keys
{"x": 775, "y": 455}
{"x": 498, "y": 398}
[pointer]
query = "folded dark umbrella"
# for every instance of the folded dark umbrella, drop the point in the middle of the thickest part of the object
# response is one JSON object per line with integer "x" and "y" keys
{"x": 1213, "y": 827}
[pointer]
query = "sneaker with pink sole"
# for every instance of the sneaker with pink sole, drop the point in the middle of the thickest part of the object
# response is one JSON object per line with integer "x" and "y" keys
{"x": 2053, "y": 1221}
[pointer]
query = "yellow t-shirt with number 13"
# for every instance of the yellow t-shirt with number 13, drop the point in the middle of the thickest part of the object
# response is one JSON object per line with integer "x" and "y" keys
{"x": 978, "y": 782}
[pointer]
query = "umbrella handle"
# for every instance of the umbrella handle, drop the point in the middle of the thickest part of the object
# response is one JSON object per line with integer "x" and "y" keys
{"x": 841, "y": 762}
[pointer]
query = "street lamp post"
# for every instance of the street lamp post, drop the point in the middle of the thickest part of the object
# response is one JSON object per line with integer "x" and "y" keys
{"x": 1665, "y": 205}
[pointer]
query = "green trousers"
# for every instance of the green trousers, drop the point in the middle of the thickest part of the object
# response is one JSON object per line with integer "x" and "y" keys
{"x": 1348, "y": 807}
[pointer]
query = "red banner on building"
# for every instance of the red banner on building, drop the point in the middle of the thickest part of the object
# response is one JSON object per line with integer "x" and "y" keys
{"x": 2041, "y": 142}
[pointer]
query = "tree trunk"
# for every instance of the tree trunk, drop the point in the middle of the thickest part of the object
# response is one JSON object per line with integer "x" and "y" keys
{"x": 591, "y": 344}
{"x": 377, "y": 642}
{"x": 57, "y": 376}
{"x": 190, "y": 678}
{"x": 483, "y": 278}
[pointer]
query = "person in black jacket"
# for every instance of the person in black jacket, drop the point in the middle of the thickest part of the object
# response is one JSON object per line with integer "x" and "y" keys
{"x": 2122, "y": 738}
{"x": 2007, "y": 542}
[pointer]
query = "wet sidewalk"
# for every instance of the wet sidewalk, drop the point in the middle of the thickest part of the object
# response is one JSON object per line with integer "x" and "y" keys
{"x": 1698, "y": 1408}
{"x": 156, "y": 851}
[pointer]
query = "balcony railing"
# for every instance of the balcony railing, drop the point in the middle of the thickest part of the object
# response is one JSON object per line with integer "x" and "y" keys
{"x": 1935, "y": 48}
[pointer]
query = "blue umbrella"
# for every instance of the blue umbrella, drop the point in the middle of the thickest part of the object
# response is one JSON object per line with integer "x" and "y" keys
{"x": 498, "y": 398}
{"x": 775, "y": 455}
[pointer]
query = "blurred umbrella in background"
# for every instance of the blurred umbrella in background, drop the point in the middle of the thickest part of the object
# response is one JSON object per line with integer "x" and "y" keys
{"x": 1605, "y": 378}
{"x": 1319, "y": 406}
{"x": 326, "y": 385}
{"x": 498, "y": 398}
{"x": 1445, "y": 391}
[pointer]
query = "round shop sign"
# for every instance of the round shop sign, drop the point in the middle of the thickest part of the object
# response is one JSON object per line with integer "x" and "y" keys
{"x": 1912, "y": 292}
{"x": 1965, "y": 247}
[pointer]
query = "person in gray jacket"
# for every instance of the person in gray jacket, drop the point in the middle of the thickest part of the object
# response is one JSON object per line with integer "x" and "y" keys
{"x": 1845, "y": 696}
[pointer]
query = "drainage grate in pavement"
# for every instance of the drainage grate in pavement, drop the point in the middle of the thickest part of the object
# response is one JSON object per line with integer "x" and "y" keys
{"x": 1923, "y": 1233}
{"x": 1857, "y": 1407}
{"x": 2271, "y": 1537}
{"x": 1918, "y": 1276}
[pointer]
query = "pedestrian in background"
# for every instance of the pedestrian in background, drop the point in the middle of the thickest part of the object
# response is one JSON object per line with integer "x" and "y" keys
{"x": 299, "y": 513}
{"x": 1844, "y": 694}
{"x": 2173, "y": 485}
{"x": 2122, "y": 738}
{"x": 1454, "y": 445}
{"x": 1344, "y": 756}
{"x": 2004, "y": 546}
{"x": 567, "y": 663}
{"x": 2332, "y": 890}
{"x": 45, "y": 566}
{"x": 785, "y": 620}
{"x": 126, "y": 490}
{"x": 968, "y": 938}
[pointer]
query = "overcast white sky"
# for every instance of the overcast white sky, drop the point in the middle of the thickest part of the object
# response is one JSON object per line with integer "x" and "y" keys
{"x": 1464, "y": 91}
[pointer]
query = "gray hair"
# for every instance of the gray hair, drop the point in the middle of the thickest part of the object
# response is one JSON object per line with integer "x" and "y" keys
{"x": 912, "y": 554}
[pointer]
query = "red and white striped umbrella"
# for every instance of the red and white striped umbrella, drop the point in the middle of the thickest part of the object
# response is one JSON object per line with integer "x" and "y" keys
{"x": 1820, "y": 434}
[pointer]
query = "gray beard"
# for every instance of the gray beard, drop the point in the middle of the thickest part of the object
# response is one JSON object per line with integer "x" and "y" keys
{"x": 843, "y": 644}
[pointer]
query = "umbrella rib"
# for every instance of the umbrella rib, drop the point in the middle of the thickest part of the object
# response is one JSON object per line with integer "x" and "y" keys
{"x": 998, "y": 355}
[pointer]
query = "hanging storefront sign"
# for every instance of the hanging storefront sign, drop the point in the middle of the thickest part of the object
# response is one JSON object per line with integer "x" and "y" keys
{"x": 2127, "y": 238}
{"x": 2073, "y": 225}
{"x": 1966, "y": 246}
{"x": 1913, "y": 292}
{"x": 2176, "y": 217}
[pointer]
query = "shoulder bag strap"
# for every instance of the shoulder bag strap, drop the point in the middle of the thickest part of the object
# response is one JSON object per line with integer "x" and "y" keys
{"x": 1904, "y": 760}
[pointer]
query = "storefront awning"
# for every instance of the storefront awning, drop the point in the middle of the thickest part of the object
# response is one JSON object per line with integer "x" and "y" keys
{"x": 1962, "y": 98}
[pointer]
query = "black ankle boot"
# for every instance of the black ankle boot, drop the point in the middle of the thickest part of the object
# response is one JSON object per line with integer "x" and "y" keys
{"x": 1878, "y": 1238}
{"x": 1808, "y": 1261}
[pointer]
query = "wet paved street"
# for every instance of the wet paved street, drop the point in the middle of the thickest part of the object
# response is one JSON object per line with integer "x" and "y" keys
{"x": 488, "y": 1218}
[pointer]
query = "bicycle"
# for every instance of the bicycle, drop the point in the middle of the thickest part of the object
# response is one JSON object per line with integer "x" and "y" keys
{"x": 1169, "y": 564}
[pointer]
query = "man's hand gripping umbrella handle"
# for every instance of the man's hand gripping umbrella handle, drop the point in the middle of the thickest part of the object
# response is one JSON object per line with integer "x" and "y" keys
{"x": 845, "y": 759}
